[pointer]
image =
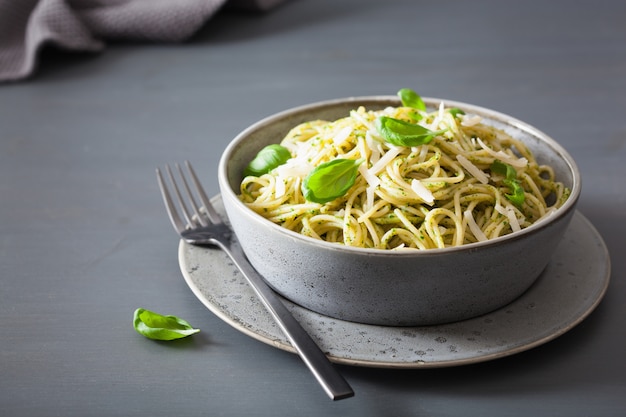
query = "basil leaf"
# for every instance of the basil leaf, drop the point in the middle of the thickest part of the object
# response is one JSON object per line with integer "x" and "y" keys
{"x": 506, "y": 170}
{"x": 158, "y": 327}
{"x": 330, "y": 180}
{"x": 455, "y": 111}
{"x": 401, "y": 133}
{"x": 267, "y": 159}
{"x": 411, "y": 99}
{"x": 517, "y": 196}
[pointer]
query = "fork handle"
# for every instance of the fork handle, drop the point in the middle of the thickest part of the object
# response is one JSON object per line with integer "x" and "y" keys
{"x": 331, "y": 380}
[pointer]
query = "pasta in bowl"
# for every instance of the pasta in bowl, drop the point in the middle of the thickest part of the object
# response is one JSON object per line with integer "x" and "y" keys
{"x": 398, "y": 210}
{"x": 452, "y": 182}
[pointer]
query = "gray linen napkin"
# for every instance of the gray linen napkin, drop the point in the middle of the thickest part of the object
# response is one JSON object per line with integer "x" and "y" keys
{"x": 85, "y": 25}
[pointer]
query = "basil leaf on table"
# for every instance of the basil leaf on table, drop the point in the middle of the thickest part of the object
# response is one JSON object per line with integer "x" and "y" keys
{"x": 517, "y": 196}
{"x": 330, "y": 180}
{"x": 411, "y": 99}
{"x": 158, "y": 327}
{"x": 401, "y": 133}
{"x": 267, "y": 159}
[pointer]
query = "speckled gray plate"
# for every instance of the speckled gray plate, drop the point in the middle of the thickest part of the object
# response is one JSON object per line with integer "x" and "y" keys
{"x": 568, "y": 290}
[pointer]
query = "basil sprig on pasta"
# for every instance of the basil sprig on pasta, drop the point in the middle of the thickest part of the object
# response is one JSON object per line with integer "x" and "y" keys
{"x": 411, "y": 99}
{"x": 401, "y": 133}
{"x": 330, "y": 180}
{"x": 267, "y": 159}
{"x": 517, "y": 196}
{"x": 455, "y": 111}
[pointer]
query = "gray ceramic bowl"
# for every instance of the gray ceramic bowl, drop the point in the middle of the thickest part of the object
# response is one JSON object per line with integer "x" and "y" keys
{"x": 398, "y": 288}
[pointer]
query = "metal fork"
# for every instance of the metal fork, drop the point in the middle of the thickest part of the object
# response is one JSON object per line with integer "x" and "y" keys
{"x": 203, "y": 226}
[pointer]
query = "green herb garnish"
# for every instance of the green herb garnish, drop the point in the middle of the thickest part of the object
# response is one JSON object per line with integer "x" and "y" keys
{"x": 330, "y": 180}
{"x": 267, "y": 159}
{"x": 455, "y": 111}
{"x": 401, "y": 133}
{"x": 158, "y": 327}
{"x": 411, "y": 99}
{"x": 517, "y": 196}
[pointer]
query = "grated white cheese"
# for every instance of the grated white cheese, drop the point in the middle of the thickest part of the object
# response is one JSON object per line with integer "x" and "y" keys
{"x": 384, "y": 160}
{"x": 372, "y": 182}
{"x": 500, "y": 208}
{"x": 513, "y": 220}
{"x": 503, "y": 156}
{"x": 439, "y": 116}
{"x": 472, "y": 169}
{"x": 510, "y": 214}
{"x": 422, "y": 192}
{"x": 471, "y": 223}
{"x": 359, "y": 117}
{"x": 279, "y": 188}
{"x": 369, "y": 203}
{"x": 294, "y": 167}
{"x": 442, "y": 114}
{"x": 467, "y": 120}
{"x": 342, "y": 136}
{"x": 371, "y": 143}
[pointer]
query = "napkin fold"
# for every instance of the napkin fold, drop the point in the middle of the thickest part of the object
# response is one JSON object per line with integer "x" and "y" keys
{"x": 85, "y": 25}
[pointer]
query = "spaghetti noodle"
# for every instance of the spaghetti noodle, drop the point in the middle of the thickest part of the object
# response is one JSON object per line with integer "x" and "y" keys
{"x": 442, "y": 193}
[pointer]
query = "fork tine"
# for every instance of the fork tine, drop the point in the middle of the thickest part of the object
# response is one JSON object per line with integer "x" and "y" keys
{"x": 188, "y": 217}
{"x": 215, "y": 218}
{"x": 199, "y": 216}
{"x": 169, "y": 204}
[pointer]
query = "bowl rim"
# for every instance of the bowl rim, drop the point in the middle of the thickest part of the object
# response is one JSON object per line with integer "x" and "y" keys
{"x": 484, "y": 112}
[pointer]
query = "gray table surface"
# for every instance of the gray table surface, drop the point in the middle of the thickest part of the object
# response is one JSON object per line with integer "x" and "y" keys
{"x": 84, "y": 239}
